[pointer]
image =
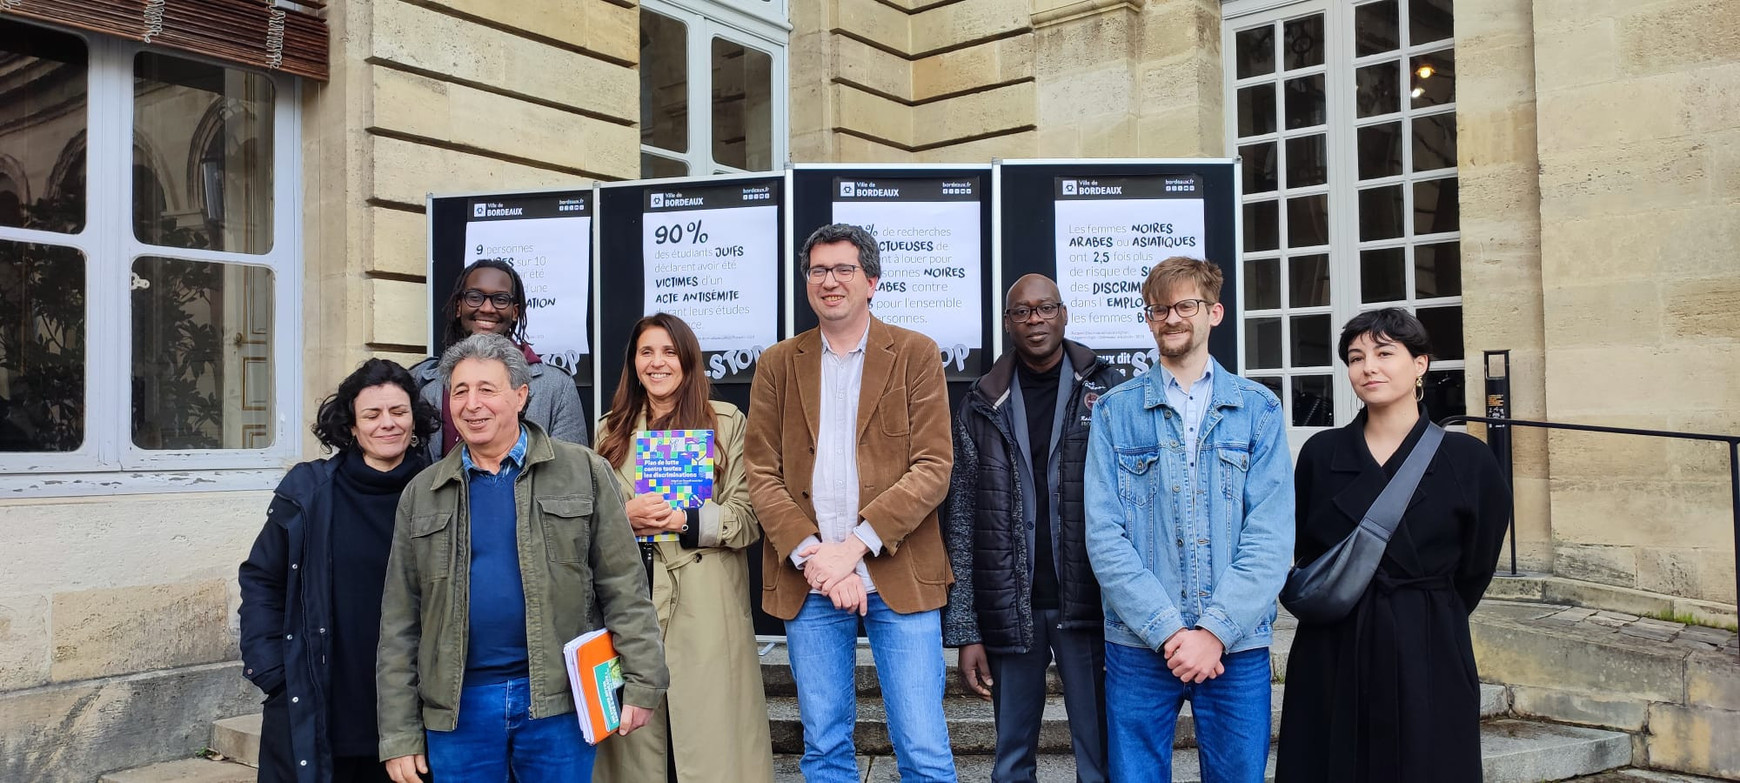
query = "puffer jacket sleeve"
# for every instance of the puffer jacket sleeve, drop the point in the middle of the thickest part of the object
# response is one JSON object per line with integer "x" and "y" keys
{"x": 960, "y": 618}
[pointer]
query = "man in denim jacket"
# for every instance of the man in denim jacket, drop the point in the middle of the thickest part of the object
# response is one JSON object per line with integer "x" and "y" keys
{"x": 1190, "y": 531}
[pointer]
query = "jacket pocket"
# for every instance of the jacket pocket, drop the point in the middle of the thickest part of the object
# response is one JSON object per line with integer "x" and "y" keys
{"x": 432, "y": 544}
{"x": 567, "y": 522}
{"x": 891, "y": 410}
{"x": 1234, "y": 465}
{"x": 1137, "y": 475}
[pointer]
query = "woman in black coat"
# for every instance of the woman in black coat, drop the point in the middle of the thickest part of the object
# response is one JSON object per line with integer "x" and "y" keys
{"x": 1389, "y": 693}
{"x": 311, "y": 588}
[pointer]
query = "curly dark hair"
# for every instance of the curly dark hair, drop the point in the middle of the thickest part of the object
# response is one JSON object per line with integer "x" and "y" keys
{"x": 455, "y": 331}
{"x": 337, "y": 412}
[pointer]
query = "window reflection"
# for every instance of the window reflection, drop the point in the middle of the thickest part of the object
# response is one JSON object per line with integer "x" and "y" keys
{"x": 742, "y": 106}
{"x": 664, "y": 82}
{"x": 202, "y": 355}
{"x": 202, "y": 157}
{"x": 43, "y": 76}
{"x": 42, "y": 347}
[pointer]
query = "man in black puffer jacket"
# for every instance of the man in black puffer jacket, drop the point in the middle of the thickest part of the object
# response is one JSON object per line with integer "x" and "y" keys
{"x": 1024, "y": 591}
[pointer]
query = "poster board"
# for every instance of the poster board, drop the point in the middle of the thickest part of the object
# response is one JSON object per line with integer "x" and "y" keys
{"x": 710, "y": 250}
{"x": 933, "y": 225}
{"x": 1097, "y": 226}
{"x": 547, "y": 236}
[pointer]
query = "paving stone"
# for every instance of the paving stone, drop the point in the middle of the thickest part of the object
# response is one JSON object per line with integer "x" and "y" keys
{"x": 1698, "y": 633}
{"x": 1620, "y": 616}
{"x": 185, "y": 771}
{"x": 1572, "y": 615}
{"x": 1692, "y": 644}
{"x": 1515, "y": 751}
{"x": 1649, "y": 632}
{"x": 1610, "y": 622}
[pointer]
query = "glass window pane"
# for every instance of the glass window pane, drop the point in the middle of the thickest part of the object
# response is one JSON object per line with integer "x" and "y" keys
{"x": 1446, "y": 393}
{"x": 1256, "y": 51}
{"x": 1376, "y": 28}
{"x": 1311, "y": 340}
{"x": 1313, "y": 401}
{"x": 1433, "y": 78}
{"x": 655, "y": 166}
{"x": 1380, "y": 213}
{"x": 1444, "y": 329}
{"x": 1304, "y": 42}
{"x": 742, "y": 106}
{"x": 664, "y": 82}
{"x": 1263, "y": 284}
{"x": 1273, "y": 383}
{"x": 1259, "y": 167}
{"x": 1308, "y": 220}
{"x": 1263, "y": 343}
{"x": 202, "y": 355}
{"x": 42, "y": 347}
{"x": 202, "y": 155}
{"x": 1307, "y": 161}
{"x": 1262, "y": 226}
{"x": 1428, "y": 21}
{"x": 1305, "y": 99}
{"x": 1438, "y": 270}
{"x": 1435, "y": 142}
{"x": 1383, "y": 275}
{"x": 1256, "y": 110}
{"x": 1435, "y": 206}
{"x": 1380, "y": 150}
{"x": 1377, "y": 89}
{"x": 42, "y": 129}
{"x": 1308, "y": 281}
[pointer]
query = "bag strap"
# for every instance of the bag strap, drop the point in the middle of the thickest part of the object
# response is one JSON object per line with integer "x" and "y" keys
{"x": 1385, "y": 514}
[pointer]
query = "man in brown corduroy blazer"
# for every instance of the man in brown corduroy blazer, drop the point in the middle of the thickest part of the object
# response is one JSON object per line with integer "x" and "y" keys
{"x": 849, "y": 455}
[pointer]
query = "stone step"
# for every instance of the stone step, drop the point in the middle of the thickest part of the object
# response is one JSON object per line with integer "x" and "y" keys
{"x": 1643, "y": 776}
{"x": 238, "y": 739}
{"x": 1512, "y": 751}
{"x": 185, "y": 771}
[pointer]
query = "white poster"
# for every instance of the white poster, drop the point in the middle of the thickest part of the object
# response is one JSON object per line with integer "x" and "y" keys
{"x": 928, "y": 234}
{"x": 712, "y": 259}
{"x": 549, "y": 242}
{"x": 1110, "y": 232}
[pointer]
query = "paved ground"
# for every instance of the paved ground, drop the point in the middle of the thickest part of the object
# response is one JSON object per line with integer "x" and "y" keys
{"x": 1598, "y": 623}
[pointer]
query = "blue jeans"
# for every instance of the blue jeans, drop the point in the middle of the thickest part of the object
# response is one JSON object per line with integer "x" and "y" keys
{"x": 496, "y": 734}
{"x": 822, "y": 641}
{"x": 1231, "y": 714}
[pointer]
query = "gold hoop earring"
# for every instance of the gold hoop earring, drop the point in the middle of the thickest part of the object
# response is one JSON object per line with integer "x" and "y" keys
{"x": 1420, "y": 389}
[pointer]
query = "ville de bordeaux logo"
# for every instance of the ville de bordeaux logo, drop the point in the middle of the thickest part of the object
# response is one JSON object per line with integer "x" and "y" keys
{"x": 479, "y": 209}
{"x": 658, "y": 200}
{"x": 847, "y": 189}
{"x": 1069, "y": 187}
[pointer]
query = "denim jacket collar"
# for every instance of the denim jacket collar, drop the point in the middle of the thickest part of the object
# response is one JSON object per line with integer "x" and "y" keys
{"x": 1225, "y": 393}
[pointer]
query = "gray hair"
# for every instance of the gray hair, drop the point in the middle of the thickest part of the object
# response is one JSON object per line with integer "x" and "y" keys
{"x": 869, "y": 256}
{"x": 489, "y": 348}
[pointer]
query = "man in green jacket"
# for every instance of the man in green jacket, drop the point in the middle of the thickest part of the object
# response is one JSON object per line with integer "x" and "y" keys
{"x": 502, "y": 552}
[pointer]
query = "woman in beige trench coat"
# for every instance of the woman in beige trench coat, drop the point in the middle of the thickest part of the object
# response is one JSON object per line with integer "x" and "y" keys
{"x": 714, "y": 719}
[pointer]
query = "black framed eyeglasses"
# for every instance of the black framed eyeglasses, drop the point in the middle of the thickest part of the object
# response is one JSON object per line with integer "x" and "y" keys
{"x": 1047, "y": 312}
{"x": 475, "y": 298}
{"x": 1186, "y": 308}
{"x": 843, "y": 272}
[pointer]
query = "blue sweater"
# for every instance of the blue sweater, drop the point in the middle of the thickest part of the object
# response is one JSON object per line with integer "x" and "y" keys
{"x": 495, "y": 651}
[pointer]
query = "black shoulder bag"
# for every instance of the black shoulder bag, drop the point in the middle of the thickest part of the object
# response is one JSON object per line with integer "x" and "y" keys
{"x": 1328, "y": 588}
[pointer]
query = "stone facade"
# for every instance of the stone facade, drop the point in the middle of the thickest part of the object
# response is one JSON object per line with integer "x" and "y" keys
{"x": 1601, "y": 233}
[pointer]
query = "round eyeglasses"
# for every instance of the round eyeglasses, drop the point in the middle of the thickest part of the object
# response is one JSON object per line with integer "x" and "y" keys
{"x": 1186, "y": 308}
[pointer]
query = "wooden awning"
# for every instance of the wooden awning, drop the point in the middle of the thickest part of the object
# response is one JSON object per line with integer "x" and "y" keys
{"x": 279, "y": 35}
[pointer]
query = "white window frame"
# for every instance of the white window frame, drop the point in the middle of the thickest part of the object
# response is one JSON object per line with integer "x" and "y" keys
{"x": 761, "y": 26}
{"x": 1339, "y": 66}
{"x": 108, "y": 462}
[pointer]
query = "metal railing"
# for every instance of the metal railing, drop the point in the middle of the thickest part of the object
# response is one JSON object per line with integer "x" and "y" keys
{"x": 1498, "y": 439}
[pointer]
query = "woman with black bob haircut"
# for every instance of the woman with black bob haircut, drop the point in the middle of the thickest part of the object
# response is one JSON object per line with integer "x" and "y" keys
{"x": 490, "y": 298}
{"x": 1389, "y": 692}
{"x": 311, "y": 588}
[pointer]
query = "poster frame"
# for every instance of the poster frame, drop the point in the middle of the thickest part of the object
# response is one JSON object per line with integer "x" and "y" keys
{"x": 1229, "y": 349}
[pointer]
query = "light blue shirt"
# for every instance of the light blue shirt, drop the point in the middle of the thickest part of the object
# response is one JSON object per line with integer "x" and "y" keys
{"x": 834, "y": 485}
{"x": 1191, "y": 405}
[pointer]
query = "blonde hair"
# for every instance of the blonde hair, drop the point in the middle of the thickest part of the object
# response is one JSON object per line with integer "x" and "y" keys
{"x": 1179, "y": 270}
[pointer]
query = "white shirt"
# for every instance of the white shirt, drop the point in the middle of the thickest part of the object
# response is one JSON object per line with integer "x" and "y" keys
{"x": 834, "y": 485}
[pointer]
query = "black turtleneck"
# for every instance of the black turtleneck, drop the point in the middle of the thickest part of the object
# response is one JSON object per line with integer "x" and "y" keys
{"x": 1039, "y": 397}
{"x": 364, "y": 501}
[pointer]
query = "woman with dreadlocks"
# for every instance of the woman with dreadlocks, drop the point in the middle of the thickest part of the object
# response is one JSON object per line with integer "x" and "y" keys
{"x": 490, "y": 297}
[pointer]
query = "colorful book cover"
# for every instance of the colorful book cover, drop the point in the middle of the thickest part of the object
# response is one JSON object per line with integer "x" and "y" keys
{"x": 595, "y": 678}
{"x": 677, "y": 464}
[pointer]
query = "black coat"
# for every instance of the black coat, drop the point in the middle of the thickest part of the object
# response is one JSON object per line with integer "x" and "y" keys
{"x": 1390, "y": 693}
{"x": 286, "y": 613}
{"x": 991, "y": 599}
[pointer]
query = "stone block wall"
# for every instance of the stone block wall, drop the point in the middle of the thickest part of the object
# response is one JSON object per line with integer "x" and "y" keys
{"x": 971, "y": 80}
{"x": 1637, "y": 125}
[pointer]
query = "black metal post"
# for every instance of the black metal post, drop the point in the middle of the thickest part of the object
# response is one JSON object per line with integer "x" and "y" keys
{"x": 1498, "y": 435}
{"x": 1734, "y": 487}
